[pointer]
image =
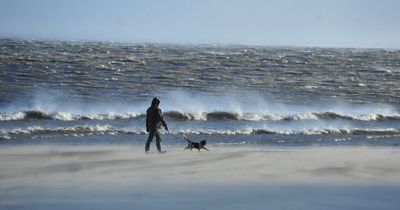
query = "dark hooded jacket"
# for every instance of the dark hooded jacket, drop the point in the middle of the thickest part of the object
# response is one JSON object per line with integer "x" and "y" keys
{"x": 154, "y": 118}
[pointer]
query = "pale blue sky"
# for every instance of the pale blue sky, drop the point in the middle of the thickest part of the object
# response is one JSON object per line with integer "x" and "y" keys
{"x": 337, "y": 23}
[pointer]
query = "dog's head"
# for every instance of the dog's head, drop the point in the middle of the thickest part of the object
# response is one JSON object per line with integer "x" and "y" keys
{"x": 203, "y": 142}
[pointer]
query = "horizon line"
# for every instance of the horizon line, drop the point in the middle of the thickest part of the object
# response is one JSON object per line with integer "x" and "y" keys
{"x": 84, "y": 40}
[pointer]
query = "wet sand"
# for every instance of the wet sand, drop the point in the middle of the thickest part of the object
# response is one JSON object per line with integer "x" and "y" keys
{"x": 124, "y": 177}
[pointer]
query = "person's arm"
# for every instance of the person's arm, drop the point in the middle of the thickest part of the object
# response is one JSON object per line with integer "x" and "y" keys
{"x": 160, "y": 115}
{"x": 147, "y": 124}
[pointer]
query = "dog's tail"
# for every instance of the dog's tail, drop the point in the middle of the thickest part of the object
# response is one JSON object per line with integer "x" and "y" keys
{"x": 186, "y": 138}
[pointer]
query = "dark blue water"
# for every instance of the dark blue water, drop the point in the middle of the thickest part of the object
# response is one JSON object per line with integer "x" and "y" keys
{"x": 91, "y": 93}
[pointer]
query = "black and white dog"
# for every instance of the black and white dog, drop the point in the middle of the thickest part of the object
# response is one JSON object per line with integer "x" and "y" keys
{"x": 195, "y": 145}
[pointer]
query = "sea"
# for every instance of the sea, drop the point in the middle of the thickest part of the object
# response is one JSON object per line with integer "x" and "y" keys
{"x": 96, "y": 93}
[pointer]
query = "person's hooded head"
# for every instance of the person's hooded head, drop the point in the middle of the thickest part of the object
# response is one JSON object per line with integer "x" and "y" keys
{"x": 155, "y": 102}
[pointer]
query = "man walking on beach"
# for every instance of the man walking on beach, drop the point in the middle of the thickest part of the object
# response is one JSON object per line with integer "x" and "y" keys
{"x": 154, "y": 120}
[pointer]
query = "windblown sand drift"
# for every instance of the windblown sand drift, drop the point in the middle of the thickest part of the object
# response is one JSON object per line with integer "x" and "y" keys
{"x": 130, "y": 165}
{"x": 103, "y": 177}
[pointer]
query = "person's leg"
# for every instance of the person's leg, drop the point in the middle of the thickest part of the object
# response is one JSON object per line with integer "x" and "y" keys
{"x": 158, "y": 141}
{"x": 150, "y": 139}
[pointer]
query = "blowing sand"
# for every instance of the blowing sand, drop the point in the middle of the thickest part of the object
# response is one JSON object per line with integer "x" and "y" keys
{"x": 124, "y": 177}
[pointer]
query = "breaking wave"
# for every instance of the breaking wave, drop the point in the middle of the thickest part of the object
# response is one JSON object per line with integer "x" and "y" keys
{"x": 64, "y": 116}
{"x": 333, "y": 131}
{"x": 110, "y": 130}
{"x": 75, "y": 130}
{"x": 201, "y": 116}
{"x": 176, "y": 115}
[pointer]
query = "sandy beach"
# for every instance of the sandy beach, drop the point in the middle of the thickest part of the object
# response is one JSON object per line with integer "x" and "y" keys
{"x": 297, "y": 101}
{"x": 124, "y": 177}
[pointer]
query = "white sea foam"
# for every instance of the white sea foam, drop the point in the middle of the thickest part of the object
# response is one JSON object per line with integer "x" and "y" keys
{"x": 109, "y": 129}
{"x": 75, "y": 129}
{"x": 12, "y": 116}
{"x": 63, "y": 116}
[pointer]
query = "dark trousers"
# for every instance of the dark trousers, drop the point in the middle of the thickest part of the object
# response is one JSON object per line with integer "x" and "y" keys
{"x": 153, "y": 132}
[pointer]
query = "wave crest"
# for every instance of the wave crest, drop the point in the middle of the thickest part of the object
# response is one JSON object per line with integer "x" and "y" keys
{"x": 64, "y": 116}
{"x": 106, "y": 129}
{"x": 202, "y": 116}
